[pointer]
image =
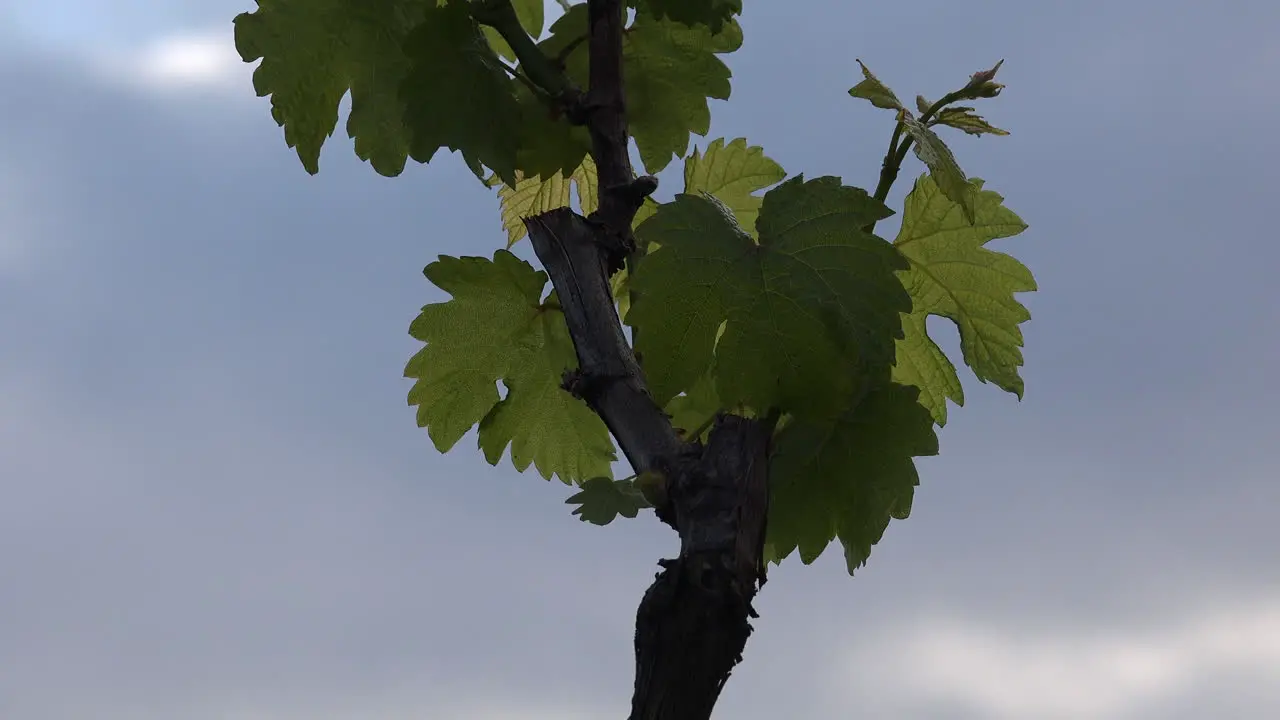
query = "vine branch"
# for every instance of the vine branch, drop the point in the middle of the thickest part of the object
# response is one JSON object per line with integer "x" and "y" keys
{"x": 693, "y": 622}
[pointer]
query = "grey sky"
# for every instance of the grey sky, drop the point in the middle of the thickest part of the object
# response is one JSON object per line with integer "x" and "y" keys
{"x": 214, "y": 502}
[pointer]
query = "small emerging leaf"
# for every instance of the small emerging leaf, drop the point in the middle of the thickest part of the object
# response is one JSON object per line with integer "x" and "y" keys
{"x": 982, "y": 84}
{"x": 601, "y": 500}
{"x": 941, "y": 163}
{"x": 963, "y": 118}
{"x": 874, "y": 91}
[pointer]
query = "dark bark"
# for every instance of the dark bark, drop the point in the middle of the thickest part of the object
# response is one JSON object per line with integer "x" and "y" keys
{"x": 692, "y": 624}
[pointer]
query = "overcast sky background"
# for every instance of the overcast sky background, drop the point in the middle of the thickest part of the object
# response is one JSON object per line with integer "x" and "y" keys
{"x": 214, "y": 502}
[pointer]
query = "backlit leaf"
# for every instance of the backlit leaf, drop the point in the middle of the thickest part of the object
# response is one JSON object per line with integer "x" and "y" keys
{"x": 601, "y": 500}
{"x": 953, "y": 275}
{"x": 847, "y": 477}
{"x": 733, "y": 173}
{"x": 497, "y": 328}
{"x": 805, "y": 309}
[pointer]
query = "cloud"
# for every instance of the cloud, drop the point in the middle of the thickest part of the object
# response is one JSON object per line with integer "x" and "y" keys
{"x": 178, "y": 62}
{"x": 996, "y": 672}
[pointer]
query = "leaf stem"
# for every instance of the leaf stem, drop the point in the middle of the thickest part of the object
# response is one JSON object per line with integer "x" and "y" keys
{"x": 898, "y": 147}
{"x": 539, "y": 69}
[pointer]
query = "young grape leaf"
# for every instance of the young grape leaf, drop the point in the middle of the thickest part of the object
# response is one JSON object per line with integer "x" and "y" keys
{"x": 732, "y": 173}
{"x": 548, "y": 144}
{"x": 496, "y": 328}
{"x": 712, "y": 13}
{"x": 849, "y": 477}
{"x": 456, "y": 94}
{"x": 671, "y": 71}
{"x": 813, "y": 300}
{"x": 874, "y": 91}
{"x": 921, "y": 363}
{"x": 620, "y": 284}
{"x": 539, "y": 419}
{"x": 942, "y": 164}
{"x": 313, "y": 52}
{"x": 982, "y": 84}
{"x": 693, "y": 409}
{"x": 536, "y": 195}
{"x": 963, "y": 118}
{"x": 601, "y": 500}
{"x": 530, "y": 196}
{"x": 954, "y": 276}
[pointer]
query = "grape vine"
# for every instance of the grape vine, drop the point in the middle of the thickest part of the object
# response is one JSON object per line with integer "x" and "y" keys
{"x": 779, "y": 377}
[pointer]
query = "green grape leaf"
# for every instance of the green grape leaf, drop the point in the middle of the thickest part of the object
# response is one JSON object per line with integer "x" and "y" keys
{"x": 712, "y": 13}
{"x": 921, "y": 363}
{"x": 587, "y": 183}
{"x": 874, "y": 91}
{"x": 313, "y": 52}
{"x": 671, "y": 70}
{"x": 694, "y": 408}
{"x": 732, "y": 173}
{"x": 647, "y": 210}
{"x": 496, "y": 328}
{"x": 847, "y": 478}
{"x": 620, "y": 284}
{"x": 963, "y": 118}
{"x": 942, "y": 164}
{"x": 814, "y": 300}
{"x": 530, "y": 196}
{"x": 952, "y": 275}
{"x": 536, "y": 195}
{"x": 601, "y": 500}
{"x": 457, "y": 96}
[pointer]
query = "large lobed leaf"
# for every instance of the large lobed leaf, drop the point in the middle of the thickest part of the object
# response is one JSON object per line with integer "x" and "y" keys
{"x": 953, "y": 275}
{"x": 806, "y": 310}
{"x": 847, "y": 477}
{"x": 422, "y": 76}
{"x": 497, "y": 328}
{"x": 313, "y": 52}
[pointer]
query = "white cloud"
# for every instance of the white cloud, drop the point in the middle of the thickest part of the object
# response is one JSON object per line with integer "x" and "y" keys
{"x": 178, "y": 62}
{"x": 1000, "y": 673}
{"x": 191, "y": 60}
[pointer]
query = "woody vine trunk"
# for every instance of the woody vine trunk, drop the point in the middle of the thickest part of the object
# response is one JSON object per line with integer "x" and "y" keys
{"x": 693, "y": 622}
